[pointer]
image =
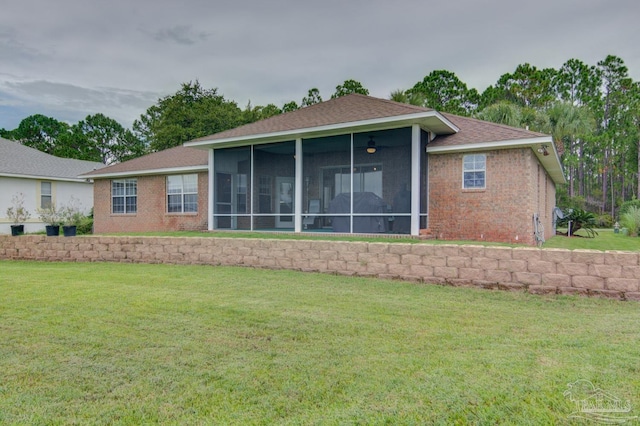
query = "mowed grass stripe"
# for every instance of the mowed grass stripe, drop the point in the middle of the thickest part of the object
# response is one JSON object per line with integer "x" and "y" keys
{"x": 103, "y": 343}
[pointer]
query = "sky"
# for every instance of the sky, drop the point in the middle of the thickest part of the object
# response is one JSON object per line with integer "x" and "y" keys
{"x": 68, "y": 59}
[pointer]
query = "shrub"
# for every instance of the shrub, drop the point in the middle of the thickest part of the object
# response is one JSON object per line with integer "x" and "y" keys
{"x": 631, "y": 220}
{"x": 17, "y": 212}
{"x": 579, "y": 219}
{"x": 85, "y": 225}
{"x": 50, "y": 215}
{"x": 604, "y": 221}
{"x": 624, "y": 207}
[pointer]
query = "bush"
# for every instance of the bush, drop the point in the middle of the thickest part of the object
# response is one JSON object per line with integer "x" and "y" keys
{"x": 631, "y": 220}
{"x": 85, "y": 225}
{"x": 624, "y": 207}
{"x": 604, "y": 221}
{"x": 580, "y": 219}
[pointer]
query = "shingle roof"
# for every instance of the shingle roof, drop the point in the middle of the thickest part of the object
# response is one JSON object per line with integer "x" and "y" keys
{"x": 179, "y": 157}
{"x": 345, "y": 109}
{"x": 353, "y": 111}
{"x": 17, "y": 159}
{"x": 478, "y": 131}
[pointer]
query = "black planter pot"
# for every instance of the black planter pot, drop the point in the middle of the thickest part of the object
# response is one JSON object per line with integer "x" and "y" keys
{"x": 17, "y": 230}
{"x": 69, "y": 230}
{"x": 52, "y": 230}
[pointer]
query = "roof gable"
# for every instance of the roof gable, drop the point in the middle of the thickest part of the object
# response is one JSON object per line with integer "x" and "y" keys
{"x": 20, "y": 160}
{"x": 334, "y": 114}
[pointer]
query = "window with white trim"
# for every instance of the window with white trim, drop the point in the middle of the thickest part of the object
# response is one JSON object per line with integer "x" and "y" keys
{"x": 46, "y": 195}
{"x": 182, "y": 193}
{"x": 124, "y": 196}
{"x": 474, "y": 169}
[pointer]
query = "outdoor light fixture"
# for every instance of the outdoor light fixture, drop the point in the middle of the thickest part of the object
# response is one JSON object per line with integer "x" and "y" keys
{"x": 543, "y": 150}
{"x": 371, "y": 146}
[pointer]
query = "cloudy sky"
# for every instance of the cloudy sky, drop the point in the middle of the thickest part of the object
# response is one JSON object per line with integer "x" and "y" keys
{"x": 70, "y": 58}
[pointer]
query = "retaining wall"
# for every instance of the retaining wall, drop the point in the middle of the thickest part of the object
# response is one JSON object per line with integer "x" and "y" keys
{"x": 611, "y": 274}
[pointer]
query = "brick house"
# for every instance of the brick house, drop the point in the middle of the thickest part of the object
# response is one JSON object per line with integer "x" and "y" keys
{"x": 354, "y": 164}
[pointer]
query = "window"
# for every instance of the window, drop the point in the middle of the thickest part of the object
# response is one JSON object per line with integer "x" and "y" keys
{"x": 473, "y": 171}
{"x": 182, "y": 193}
{"x": 124, "y": 196}
{"x": 45, "y": 195}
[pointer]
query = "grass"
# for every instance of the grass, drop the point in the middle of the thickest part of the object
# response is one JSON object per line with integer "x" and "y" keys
{"x": 98, "y": 343}
{"x": 606, "y": 239}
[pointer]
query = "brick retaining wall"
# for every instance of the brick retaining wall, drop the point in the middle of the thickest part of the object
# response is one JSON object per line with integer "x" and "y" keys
{"x": 611, "y": 274}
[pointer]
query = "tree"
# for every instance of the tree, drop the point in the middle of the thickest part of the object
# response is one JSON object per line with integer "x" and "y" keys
{"x": 502, "y": 112}
{"x": 576, "y": 83}
{"x": 313, "y": 97}
{"x": 190, "y": 113}
{"x": 405, "y": 97}
{"x": 290, "y": 106}
{"x": 108, "y": 141}
{"x": 251, "y": 114}
{"x": 444, "y": 91}
{"x": 527, "y": 86}
{"x": 39, "y": 132}
{"x": 569, "y": 125}
{"x": 349, "y": 87}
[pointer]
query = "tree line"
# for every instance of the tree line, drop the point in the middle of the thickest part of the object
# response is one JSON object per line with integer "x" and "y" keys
{"x": 592, "y": 112}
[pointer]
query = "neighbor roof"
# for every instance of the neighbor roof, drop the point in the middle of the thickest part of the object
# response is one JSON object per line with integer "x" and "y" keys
{"x": 18, "y": 160}
{"x": 172, "y": 160}
{"x": 351, "y": 113}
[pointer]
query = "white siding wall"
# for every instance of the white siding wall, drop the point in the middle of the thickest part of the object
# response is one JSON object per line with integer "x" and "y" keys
{"x": 62, "y": 193}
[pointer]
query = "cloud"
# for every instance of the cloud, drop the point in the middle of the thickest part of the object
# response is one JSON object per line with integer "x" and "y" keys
{"x": 73, "y": 103}
{"x": 181, "y": 34}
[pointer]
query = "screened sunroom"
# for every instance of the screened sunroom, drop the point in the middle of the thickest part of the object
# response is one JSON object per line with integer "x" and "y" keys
{"x": 349, "y": 183}
{"x": 350, "y": 165}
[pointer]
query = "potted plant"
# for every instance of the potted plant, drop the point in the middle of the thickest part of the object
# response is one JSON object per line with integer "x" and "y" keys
{"x": 51, "y": 218}
{"x": 18, "y": 214}
{"x": 71, "y": 216}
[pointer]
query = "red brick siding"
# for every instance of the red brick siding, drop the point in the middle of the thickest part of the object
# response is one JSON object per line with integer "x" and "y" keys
{"x": 152, "y": 208}
{"x": 516, "y": 188}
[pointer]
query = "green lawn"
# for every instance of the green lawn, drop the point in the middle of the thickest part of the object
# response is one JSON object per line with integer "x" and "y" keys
{"x": 102, "y": 343}
{"x": 605, "y": 240}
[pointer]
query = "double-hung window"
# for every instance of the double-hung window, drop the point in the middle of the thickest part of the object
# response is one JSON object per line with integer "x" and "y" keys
{"x": 46, "y": 195}
{"x": 182, "y": 193}
{"x": 124, "y": 196}
{"x": 474, "y": 169}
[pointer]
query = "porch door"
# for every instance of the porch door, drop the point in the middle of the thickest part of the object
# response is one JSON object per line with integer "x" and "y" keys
{"x": 284, "y": 202}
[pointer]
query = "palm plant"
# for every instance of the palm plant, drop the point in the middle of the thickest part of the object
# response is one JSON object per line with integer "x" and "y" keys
{"x": 576, "y": 219}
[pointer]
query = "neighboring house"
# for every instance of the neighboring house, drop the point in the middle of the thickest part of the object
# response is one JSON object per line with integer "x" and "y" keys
{"x": 408, "y": 168}
{"x": 43, "y": 179}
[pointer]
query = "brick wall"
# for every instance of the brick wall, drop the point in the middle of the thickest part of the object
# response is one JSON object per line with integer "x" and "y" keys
{"x": 543, "y": 271}
{"x": 516, "y": 188}
{"x": 152, "y": 208}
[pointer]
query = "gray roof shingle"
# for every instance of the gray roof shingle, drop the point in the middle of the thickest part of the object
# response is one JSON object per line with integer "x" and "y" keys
{"x": 17, "y": 159}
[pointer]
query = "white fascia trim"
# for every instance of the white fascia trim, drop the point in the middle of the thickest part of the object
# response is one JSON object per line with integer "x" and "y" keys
{"x": 35, "y": 177}
{"x": 133, "y": 173}
{"x": 513, "y": 143}
{"x": 353, "y": 125}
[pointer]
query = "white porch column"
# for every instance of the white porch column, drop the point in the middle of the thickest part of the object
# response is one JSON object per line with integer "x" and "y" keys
{"x": 415, "y": 179}
{"x": 211, "y": 192}
{"x": 298, "y": 188}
